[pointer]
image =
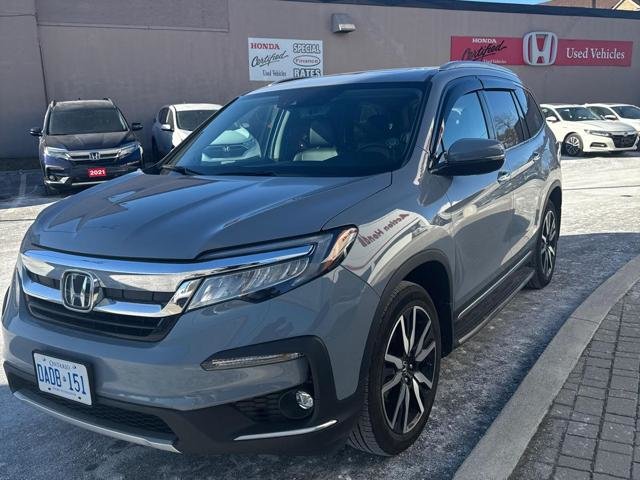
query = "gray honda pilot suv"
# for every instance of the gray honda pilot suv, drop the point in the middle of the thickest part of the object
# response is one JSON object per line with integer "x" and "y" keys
{"x": 297, "y": 288}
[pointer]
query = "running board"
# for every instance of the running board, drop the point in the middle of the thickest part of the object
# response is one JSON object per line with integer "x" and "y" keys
{"x": 476, "y": 318}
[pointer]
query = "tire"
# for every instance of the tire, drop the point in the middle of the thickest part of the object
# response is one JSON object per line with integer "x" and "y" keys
{"x": 386, "y": 427}
{"x": 546, "y": 249}
{"x": 572, "y": 145}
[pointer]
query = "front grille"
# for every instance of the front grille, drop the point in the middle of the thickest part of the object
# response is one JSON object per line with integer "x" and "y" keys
{"x": 621, "y": 141}
{"x": 150, "y": 329}
{"x": 138, "y": 296}
{"x": 125, "y": 419}
{"x": 226, "y": 151}
{"x": 82, "y": 158}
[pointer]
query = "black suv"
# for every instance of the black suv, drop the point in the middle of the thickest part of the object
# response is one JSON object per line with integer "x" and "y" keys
{"x": 84, "y": 142}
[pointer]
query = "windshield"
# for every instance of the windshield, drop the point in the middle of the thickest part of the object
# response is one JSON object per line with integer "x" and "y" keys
{"x": 191, "y": 119}
{"x": 577, "y": 114}
{"x": 348, "y": 130}
{"x": 627, "y": 111}
{"x": 86, "y": 120}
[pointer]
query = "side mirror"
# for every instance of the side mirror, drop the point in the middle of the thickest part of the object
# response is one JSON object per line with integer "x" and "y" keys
{"x": 166, "y": 127}
{"x": 472, "y": 156}
{"x": 551, "y": 119}
{"x": 136, "y": 126}
{"x": 36, "y": 132}
{"x": 610, "y": 117}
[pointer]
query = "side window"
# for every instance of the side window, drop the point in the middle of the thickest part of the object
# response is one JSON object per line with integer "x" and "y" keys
{"x": 600, "y": 111}
{"x": 464, "y": 120}
{"x": 505, "y": 117}
{"x": 162, "y": 116}
{"x": 548, "y": 113}
{"x": 532, "y": 116}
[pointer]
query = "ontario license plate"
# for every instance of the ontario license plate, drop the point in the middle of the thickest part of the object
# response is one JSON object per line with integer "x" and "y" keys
{"x": 63, "y": 378}
{"x": 97, "y": 172}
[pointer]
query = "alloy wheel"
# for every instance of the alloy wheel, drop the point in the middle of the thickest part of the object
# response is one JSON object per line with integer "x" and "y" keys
{"x": 409, "y": 370}
{"x": 572, "y": 145}
{"x": 548, "y": 243}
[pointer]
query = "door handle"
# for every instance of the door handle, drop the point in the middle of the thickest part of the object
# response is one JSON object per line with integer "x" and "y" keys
{"x": 503, "y": 176}
{"x": 536, "y": 156}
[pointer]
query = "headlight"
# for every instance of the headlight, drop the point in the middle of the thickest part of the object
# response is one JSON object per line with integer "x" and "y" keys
{"x": 129, "y": 148}
{"x": 54, "y": 152}
{"x": 599, "y": 133}
{"x": 319, "y": 254}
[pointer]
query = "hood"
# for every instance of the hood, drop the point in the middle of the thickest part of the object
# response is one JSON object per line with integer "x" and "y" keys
{"x": 633, "y": 123}
{"x": 178, "y": 217}
{"x": 605, "y": 125}
{"x": 90, "y": 141}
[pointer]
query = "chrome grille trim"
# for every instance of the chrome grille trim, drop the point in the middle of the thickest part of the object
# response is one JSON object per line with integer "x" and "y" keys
{"x": 149, "y": 276}
{"x": 180, "y": 279}
{"x": 106, "y": 154}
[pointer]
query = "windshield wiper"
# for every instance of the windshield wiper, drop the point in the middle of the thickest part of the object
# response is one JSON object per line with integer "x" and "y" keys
{"x": 180, "y": 169}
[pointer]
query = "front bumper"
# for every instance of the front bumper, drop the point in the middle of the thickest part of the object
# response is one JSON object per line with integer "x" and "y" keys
{"x": 239, "y": 427}
{"x": 211, "y": 411}
{"x": 60, "y": 173}
{"x": 597, "y": 143}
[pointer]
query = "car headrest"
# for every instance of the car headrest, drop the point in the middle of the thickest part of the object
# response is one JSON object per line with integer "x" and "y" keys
{"x": 321, "y": 134}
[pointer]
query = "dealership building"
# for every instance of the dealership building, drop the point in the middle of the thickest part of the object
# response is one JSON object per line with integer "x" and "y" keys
{"x": 147, "y": 53}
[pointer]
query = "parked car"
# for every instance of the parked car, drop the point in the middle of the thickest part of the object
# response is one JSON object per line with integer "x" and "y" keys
{"x": 301, "y": 297}
{"x": 174, "y": 123}
{"x": 620, "y": 112}
{"x": 580, "y": 130}
{"x": 85, "y": 142}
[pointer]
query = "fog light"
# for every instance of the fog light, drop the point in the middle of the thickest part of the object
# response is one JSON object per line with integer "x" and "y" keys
{"x": 52, "y": 178}
{"x": 304, "y": 400}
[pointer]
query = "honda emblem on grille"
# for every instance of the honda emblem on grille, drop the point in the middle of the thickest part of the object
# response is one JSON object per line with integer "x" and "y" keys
{"x": 94, "y": 155}
{"x": 540, "y": 48}
{"x": 78, "y": 290}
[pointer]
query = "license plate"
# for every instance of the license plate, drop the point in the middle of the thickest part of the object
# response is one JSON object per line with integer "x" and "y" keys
{"x": 97, "y": 172}
{"x": 63, "y": 378}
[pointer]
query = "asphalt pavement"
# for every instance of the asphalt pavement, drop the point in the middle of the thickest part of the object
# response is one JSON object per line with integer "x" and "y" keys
{"x": 600, "y": 233}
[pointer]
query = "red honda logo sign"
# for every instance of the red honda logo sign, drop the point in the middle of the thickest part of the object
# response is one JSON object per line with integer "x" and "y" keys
{"x": 540, "y": 48}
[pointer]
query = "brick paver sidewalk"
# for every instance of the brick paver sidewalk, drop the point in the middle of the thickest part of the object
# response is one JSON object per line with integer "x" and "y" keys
{"x": 591, "y": 430}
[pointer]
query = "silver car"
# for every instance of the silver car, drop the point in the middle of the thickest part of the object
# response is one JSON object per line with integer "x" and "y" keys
{"x": 299, "y": 292}
{"x": 174, "y": 123}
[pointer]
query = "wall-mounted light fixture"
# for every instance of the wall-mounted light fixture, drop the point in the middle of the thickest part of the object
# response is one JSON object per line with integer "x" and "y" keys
{"x": 342, "y": 23}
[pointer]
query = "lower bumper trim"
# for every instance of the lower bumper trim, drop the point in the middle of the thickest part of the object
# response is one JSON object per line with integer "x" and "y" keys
{"x": 145, "y": 440}
{"x": 287, "y": 433}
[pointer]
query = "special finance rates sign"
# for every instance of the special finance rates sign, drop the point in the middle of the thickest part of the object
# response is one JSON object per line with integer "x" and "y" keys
{"x": 272, "y": 59}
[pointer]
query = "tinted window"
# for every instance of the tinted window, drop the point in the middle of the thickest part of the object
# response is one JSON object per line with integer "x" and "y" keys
{"x": 532, "y": 115}
{"x": 628, "y": 111}
{"x": 192, "y": 119}
{"x": 577, "y": 114}
{"x": 548, "y": 113}
{"x": 505, "y": 117}
{"x": 346, "y": 130}
{"x": 601, "y": 111}
{"x": 162, "y": 116}
{"x": 68, "y": 121}
{"x": 465, "y": 120}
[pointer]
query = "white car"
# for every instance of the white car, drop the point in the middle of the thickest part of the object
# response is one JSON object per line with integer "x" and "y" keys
{"x": 580, "y": 130}
{"x": 174, "y": 123}
{"x": 620, "y": 112}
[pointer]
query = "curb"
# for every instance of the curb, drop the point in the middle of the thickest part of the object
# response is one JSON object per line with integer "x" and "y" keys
{"x": 498, "y": 452}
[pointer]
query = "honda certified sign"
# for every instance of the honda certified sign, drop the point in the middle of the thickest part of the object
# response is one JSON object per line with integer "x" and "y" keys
{"x": 272, "y": 59}
{"x": 542, "y": 49}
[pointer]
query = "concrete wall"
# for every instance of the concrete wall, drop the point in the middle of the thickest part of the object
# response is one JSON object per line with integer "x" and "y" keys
{"x": 146, "y": 53}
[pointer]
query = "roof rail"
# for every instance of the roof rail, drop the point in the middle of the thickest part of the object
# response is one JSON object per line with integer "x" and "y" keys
{"x": 471, "y": 64}
{"x": 283, "y": 80}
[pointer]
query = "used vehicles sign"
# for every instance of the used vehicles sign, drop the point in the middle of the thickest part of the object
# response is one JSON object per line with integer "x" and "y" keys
{"x": 272, "y": 59}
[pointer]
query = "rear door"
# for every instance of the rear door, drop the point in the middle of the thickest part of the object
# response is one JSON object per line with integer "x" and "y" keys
{"x": 524, "y": 156}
